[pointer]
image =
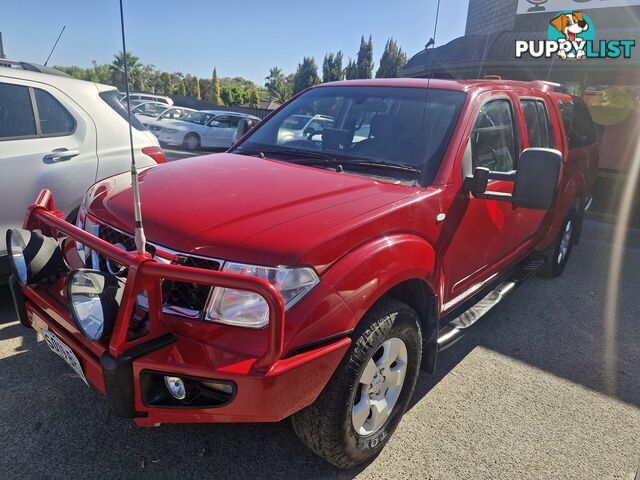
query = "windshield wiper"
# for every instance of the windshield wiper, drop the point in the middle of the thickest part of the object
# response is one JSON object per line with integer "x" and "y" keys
{"x": 293, "y": 153}
{"x": 382, "y": 165}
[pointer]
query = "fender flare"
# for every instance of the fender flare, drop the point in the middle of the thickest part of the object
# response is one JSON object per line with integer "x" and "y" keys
{"x": 388, "y": 261}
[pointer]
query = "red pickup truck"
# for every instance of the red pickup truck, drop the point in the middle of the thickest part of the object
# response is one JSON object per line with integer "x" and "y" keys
{"x": 313, "y": 269}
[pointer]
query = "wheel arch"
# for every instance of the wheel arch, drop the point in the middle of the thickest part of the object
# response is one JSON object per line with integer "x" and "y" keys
{"x": 403, "y": 267}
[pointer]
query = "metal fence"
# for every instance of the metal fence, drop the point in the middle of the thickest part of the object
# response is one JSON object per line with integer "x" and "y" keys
{"x": 190, "y": 102}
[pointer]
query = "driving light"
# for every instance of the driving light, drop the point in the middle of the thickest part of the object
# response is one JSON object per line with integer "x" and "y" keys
{"x": 94, "y": 298}
{"x": 242, "y": 308}
{"x": 176, "y": 387}
{"x": 32, "y": 256}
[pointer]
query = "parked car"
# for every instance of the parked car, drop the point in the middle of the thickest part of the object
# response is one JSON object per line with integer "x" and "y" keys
{"x": 63, "y": 134}
{"x": 204, "y": 128}
{"x": 298, "y": 127}
{"x": 137, "y": 98}
{"x": 327, "y": 272}
{"x": 152, "y": 112}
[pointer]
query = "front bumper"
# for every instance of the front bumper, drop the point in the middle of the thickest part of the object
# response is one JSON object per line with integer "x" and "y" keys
{"x": 267, "y": 385}
{"x": 290, "y": 385}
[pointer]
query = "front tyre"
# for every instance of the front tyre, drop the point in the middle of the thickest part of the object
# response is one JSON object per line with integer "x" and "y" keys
{"x": 361, "y": 406}
{"x": 557, "y": 257}
{"x": 191, "y": 142}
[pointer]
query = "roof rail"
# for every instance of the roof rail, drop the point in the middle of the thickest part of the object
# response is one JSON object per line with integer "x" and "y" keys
{"x": 32, "y": 67}
{"x": 555, "y": 87}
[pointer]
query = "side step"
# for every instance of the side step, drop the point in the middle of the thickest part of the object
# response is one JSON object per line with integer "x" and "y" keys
{"x": 454, "y": 330}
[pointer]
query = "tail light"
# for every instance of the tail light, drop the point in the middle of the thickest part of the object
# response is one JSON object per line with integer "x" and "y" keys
{"x": 156, "y": 153}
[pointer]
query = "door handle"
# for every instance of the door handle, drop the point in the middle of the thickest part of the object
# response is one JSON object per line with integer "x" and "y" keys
{"x": 60, "y": 154}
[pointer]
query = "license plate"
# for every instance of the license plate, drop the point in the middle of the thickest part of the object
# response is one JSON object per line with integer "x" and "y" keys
{"x": 58, "y": 347}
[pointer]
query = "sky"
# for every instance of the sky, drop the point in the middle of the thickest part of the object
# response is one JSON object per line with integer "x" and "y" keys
{"x": 241, "y": 38}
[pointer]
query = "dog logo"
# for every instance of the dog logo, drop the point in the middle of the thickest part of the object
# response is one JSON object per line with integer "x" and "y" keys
{"x": 572, "y": 25}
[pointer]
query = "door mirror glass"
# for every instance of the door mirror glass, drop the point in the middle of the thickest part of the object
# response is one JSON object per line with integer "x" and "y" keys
{"x": 535, "y": 181}
{"x": 537, "y": 178}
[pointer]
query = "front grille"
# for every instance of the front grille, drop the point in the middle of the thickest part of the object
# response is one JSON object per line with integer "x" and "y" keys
{"x": 189, "y": 295}
{"x": 186, "y": 299}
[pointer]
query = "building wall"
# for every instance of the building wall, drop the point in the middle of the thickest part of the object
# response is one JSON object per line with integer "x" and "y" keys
{"x": 490, "y": 16}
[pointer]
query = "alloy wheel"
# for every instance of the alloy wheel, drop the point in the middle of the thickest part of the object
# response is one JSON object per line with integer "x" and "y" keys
{"x": 379, "y": 387}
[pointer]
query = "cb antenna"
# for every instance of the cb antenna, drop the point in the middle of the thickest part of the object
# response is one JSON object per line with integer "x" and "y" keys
{"x": 137, "y": 208}
{"x": 54, "y": 45}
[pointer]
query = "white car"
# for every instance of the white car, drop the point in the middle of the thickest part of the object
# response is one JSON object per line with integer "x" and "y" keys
{"x": 63, "y": 134}
{"x": 205, "y": 128}
{"x": 151, "y": 112}
{"x": 137, "y": 98}
{"x": 300, "y": 127}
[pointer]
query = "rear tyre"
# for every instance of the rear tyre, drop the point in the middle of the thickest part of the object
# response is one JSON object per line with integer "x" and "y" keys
{"x": 191, "y": 142}
{"x": 361, "y": 406}
{"x": 557, "y": 256}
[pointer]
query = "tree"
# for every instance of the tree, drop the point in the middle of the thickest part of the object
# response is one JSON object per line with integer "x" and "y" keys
{"x": 215, "y": 89}
{"x": 183, "y": 88}
{"x": 351, "y": 71}
{"x": 306, "y": 75}
{"x": 233, "y": 94}
{"x": 332, "y": 67}
{"x": 117, "y": 68}
{"x": 392, "y": 61}
{"x": 254, "y": 98}
{"x": 278, "y": 86}
{"x": 196, "y": 93}
{"x": 365, "y": 58}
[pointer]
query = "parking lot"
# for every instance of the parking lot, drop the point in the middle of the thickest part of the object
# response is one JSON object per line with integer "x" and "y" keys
{"x": 526, "y": 394}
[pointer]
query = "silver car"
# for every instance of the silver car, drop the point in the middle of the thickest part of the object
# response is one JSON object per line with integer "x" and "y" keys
{"x": 202, "y": 129}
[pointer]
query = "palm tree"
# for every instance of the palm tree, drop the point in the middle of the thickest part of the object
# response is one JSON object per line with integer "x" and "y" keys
{"x": 279, "y": 87}
{"x": 117, "y": 68}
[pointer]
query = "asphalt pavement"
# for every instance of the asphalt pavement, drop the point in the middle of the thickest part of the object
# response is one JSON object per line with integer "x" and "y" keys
{"x": 534, "y": 391}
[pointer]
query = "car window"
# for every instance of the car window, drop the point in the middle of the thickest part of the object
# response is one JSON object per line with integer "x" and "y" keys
{"x": 200, "y": 118}
{"x": 537, "y": 119}
{"x": 493, "y": 141}
{"x": 150, "y": 109}
{"x": 53, "y": 117}
{"x": 173, "y": 113}
{"x": 225, "y": 121}
{"x": 578, "y": 124}
{"x": 16, "y": 112}
{"x": 110, "y": 97}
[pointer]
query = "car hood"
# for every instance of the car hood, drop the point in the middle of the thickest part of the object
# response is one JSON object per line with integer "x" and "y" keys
{"x": 243, "y": 208}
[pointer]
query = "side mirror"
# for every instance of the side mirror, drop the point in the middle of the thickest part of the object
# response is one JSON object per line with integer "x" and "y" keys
{"x": 535, "y": 180}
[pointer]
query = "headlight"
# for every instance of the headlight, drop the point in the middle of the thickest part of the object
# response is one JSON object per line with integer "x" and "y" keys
{"x": 247, "y": 309}
{"x": 169, "y": 130}
{"x": 32, "y": 256}
{"x": 94, "y": 298}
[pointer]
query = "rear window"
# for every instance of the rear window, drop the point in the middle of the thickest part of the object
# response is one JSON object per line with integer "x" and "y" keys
{"x": 54, "y": 118}
{"x": 578, "y": 124}
{"x": 111, "y": 98}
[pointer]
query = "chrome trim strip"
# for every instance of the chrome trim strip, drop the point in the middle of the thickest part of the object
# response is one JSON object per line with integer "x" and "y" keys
{"x": 588, "y": 203}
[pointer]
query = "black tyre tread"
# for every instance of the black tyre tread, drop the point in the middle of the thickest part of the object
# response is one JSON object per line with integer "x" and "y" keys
{"x": 318, "y": 424}
{"x": 184, "y": 141}
{"x": 552, "y": 269}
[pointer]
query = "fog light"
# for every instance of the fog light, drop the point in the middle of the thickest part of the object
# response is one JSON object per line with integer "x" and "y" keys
{"x": 32, "y": 256}
{"x": 176, "y": 387}
{"x": 94, "y": 298}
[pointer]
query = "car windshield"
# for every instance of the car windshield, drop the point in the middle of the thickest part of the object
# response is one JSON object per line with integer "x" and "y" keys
{"x": 404, "y": 131}
{"x": 197, "y": 117}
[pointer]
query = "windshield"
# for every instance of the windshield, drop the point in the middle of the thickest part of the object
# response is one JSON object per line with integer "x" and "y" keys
{"x": 197, "y": 117}
{"x": 405, "y": 127}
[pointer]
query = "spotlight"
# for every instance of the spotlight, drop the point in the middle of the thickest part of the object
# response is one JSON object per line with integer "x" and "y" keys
{"x": 94, "y": 298}
{"x": 32, "y": 256}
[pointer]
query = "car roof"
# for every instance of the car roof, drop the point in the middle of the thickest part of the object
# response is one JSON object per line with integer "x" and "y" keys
{"x": 446, "y": 84}
{"x": 224, "y": 112}
{"x": 50, "y": 76}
